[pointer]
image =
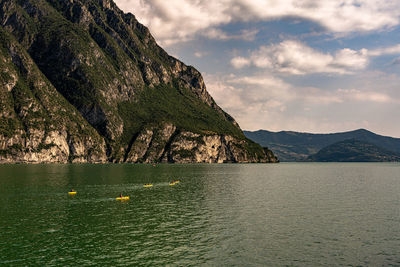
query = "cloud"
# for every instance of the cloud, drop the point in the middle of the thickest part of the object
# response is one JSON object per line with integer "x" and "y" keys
{"x": 385, "y": 51}
{"x": 262, "y": 101}
{"x": 346, "y": 60}
{"x": 249, "y": 90}
{"x": 294, "y": 57}
{"x": 200, "y": 54}
{"x": 368, "y": 96}
{"x": 217, "y": 34}
{"x": 339, "y": 96}
{"x": 180, "y": 20}
{"x": 176, "y": 20}
{"x": 240, "y": 62}
{"x": 239, "y": 93}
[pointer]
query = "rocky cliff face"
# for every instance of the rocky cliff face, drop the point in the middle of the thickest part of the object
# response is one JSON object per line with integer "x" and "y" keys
{"x": 81, "y": 81}
{"x": 168, "y": 144}
{"x": 36, "y": 123}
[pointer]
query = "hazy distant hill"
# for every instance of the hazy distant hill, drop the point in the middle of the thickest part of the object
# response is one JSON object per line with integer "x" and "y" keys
{"x": 353, "y": 150}
{"x": 295, "y": 146}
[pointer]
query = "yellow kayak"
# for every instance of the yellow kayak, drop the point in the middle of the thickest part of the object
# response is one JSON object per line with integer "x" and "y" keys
{"x": 174, "y": 183}
{"x": 72, "y": 193}
{"x": 122, "y": 198}
{"x": 148, "y": 185}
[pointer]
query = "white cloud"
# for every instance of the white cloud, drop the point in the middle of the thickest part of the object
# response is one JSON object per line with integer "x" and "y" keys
{"x": 180, "y": 20}
{"x": 294, "y": 57}
{"x": 176, "y": 20}
{"x": 264, "y": 102}
{"x": 240, "y": 62}
{"x": 217, "y": 34}
{"x": 239, "y": 93}
{"x": 200, "y": 54}
{"x": 247, "y": 91}
{"x": 322, "y": 97}
{"x": 385, "y": 51}
{"x": 368, "y": 96}
{"x": 347, "y": 59}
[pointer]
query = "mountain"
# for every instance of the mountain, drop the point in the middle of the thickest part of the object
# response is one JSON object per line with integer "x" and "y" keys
{"x": 295, "y": 146}
{"x": 354, "y": 150}
{"x": 81, "y": 81}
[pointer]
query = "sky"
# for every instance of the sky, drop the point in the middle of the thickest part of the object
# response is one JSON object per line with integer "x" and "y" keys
{"x": 306, "y": 65}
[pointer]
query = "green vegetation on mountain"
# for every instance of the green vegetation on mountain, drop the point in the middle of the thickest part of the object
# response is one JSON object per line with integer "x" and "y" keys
{"x": 296, "y": 146}
{"x": 82, "y": 81}
{"x": 353, "y": 150}
{"x": 180, "y": 108}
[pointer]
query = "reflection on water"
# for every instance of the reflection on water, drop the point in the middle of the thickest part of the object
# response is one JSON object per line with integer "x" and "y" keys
{"x": 222, "y": 215}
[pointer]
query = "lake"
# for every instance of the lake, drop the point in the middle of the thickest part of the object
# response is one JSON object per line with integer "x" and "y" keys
{"x": 287, "y": 214}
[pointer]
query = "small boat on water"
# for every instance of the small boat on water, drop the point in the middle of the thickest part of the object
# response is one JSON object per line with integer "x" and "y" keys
{"x": 122, "y": 198}
{"x": 71, "y": 193}
{"x": 174, "y": 182}
{"x": 147, "y": 185}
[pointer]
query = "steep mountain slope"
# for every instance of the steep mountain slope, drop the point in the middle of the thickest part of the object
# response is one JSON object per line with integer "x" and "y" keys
{"x": 295, "y": 146}
{"x": 98, "y": 76}
{"x": 353, "y": 150}
{"x": 36, "y": 123}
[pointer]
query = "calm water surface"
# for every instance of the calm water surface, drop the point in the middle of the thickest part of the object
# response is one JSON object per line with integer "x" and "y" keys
{"x": 287, "y": 214}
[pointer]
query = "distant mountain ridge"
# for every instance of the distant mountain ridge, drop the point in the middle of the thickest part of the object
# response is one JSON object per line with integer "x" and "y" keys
{"x": 297, "y": 146}
{"x": 353, "y": 150}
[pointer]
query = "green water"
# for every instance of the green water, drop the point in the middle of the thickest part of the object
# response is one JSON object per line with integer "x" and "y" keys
{"x": 294, "y": 214}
